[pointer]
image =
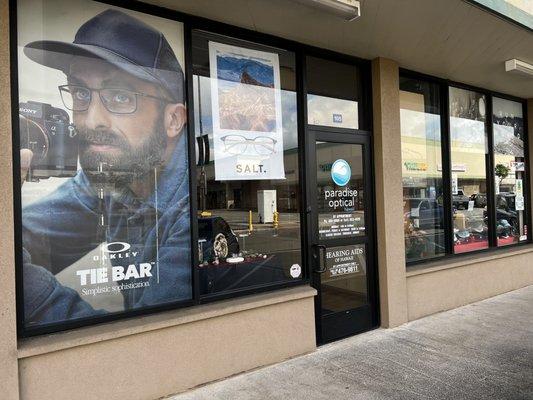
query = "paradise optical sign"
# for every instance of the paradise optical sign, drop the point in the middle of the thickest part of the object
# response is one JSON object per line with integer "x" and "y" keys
{"x": 339, "y": 217}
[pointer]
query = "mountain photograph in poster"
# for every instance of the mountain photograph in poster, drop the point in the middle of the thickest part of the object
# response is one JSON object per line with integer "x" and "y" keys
{"x": 246, "y": 110}
{"x": 246, "y": 96}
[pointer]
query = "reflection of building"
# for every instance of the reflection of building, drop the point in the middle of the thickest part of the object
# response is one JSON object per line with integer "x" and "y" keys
{"x": 241, "y": 194}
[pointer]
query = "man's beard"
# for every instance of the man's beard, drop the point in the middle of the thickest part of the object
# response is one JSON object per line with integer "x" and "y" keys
{"x": 124, "y": 163}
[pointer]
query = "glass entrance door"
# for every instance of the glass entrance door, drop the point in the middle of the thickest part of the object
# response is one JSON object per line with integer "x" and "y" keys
{"x": 341, "y": 223}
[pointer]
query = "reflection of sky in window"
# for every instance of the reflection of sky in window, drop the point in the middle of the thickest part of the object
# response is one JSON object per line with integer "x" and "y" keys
{"x": 420, "y": 125}
{"x": 503, "y": 134}
{"x": 204, "y": 122}
{"x": 321, "y": 111}
{"x": 467, "y": 131}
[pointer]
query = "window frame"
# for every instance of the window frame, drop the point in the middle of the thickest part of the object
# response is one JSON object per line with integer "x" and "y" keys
{"x": 444, "y": 85}
{"x": 445, "y": 160}
{"x": 189, "y": 77}
{"x": 190, "y": 23}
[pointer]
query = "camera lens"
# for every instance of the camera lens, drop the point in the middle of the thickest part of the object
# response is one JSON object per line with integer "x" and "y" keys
{"x": 33, "y": 137}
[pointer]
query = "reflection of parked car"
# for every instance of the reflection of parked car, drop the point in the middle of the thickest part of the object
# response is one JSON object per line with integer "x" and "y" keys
{"x": 460, "y": 200}
{"x": 219, "y": 239}
{"x": 425, "y": 213}
{"x": 479, "y": 199}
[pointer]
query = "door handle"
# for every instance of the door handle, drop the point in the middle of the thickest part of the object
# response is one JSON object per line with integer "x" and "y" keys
{"x": 317, "y": 248}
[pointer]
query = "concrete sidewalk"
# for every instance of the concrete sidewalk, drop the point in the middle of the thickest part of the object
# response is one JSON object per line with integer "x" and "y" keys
{"x": 480, "y": 351}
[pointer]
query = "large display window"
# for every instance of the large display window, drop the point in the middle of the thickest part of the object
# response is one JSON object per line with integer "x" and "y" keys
{"x": 469, "y": 150}
{"x": 465, "y": 179}
{"x": 104, "y": 162}
{"x": 423, "y": 191}
{"x": 510, "y": 196}
{"x": 248, "y": 194}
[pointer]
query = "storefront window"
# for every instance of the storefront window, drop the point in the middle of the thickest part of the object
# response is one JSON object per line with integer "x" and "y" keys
{"x": 333, "y": 98}
{"x": 105, "y": 193}
{"x": 469, "y": 149}
{"x": 478, "y": 207}
{"x": 421, "y": 169}
{"x": 509, "y": 171}
{"x": 248, "y": 169}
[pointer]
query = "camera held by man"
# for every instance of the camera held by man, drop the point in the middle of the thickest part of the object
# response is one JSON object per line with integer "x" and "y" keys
{"x": 53, "y": 140}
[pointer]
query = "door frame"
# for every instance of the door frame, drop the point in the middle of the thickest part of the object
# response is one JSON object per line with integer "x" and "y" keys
{"x": 349, "y": 136}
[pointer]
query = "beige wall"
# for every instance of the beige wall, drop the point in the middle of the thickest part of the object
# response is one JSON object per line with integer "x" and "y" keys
{"x": 389, "y": 192}
{"x": 529, "y": 116}
{"x": 147, "y": 358}
{"x": 8, "y": 331}
{"x": 454, "y": 284}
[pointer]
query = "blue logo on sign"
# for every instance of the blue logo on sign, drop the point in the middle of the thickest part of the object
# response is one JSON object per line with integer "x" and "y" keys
{"x": 337, "y": 118}
{"x": 341, "y": 172}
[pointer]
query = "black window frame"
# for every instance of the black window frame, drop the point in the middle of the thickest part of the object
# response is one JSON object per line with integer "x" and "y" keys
{"x": 190, "y": 23}
{"x": 444, "y": 85}
{"x": 189, "y": 74}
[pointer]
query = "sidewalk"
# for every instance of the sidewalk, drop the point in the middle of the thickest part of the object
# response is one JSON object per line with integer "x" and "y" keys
{"x": 480, "y": 351}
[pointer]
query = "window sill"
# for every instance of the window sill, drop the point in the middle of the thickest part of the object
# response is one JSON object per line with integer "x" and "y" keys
{"x": 463, "y": 261}
{"x": 64, "y": 340}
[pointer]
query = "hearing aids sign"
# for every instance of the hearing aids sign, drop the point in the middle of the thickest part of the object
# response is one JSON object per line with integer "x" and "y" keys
{"x": 345, "y": 260}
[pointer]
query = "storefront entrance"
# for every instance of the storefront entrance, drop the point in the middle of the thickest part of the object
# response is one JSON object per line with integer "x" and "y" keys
{"x": 341, "y": 233}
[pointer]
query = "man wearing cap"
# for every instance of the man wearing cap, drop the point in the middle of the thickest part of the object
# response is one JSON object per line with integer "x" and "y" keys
{"x": 124, "y": 87}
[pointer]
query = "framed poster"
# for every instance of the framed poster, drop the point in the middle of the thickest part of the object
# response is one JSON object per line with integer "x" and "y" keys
{"x": 104, "y": 157}
{"x": 246, "y": 111}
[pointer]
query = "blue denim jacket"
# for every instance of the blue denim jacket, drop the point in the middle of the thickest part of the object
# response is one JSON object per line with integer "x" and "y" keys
{"x": 64, "y": 226}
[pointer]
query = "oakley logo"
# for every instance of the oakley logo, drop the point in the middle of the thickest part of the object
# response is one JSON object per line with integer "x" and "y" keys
{"x": 116, "y": 247}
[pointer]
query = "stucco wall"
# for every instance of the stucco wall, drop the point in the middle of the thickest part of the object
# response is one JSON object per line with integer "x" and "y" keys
{"x": 389, "y": 192}
{"x": 150, "y": 357}
{"x": 454, "y": 284}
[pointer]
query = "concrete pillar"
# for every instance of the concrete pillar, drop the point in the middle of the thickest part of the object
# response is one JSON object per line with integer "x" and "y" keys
{"x": 8, "y": 325}
{"x": 389, "y": 193}
{"x": 529, "y": 116}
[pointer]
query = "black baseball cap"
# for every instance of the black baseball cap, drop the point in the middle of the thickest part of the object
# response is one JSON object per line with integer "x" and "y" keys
{"x": 121, "y": 40}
